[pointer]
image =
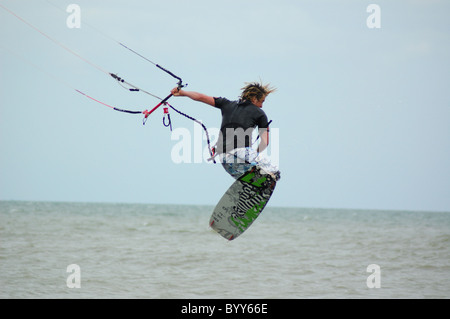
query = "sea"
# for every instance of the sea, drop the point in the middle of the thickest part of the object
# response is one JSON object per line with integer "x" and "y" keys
{"x": 145, "y": 251}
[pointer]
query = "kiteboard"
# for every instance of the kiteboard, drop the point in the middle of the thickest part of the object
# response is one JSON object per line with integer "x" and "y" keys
{"x": 242, "y": 203}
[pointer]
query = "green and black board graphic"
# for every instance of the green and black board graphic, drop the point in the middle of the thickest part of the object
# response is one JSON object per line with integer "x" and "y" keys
{"x": 242, "y": 203}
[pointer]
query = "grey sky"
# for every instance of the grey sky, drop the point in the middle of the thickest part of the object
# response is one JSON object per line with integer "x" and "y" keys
{"x": 363, "y": 114}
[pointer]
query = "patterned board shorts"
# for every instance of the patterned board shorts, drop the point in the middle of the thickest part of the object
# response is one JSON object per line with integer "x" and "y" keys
{"x": 240, "y": 160}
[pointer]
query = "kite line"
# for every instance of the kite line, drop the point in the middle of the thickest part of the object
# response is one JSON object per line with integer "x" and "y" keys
{"x": 125, "y": 84}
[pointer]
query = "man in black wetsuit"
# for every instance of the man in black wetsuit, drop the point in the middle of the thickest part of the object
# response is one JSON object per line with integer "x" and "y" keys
{"x": 239, "y": 119}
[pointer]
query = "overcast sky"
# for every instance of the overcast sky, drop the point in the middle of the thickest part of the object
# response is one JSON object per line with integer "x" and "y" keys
{"x": 361, "y": 117}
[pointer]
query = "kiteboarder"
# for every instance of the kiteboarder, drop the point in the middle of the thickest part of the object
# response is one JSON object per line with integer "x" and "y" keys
{"x": 239, "y": 119}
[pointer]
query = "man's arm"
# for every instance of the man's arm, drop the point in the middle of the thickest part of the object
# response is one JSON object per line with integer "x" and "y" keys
{"x": 200, "y": 97}
{"x": 264, "y": 134}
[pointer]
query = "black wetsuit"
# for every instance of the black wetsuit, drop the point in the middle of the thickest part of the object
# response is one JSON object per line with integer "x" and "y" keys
{"x": 239, "y": 118}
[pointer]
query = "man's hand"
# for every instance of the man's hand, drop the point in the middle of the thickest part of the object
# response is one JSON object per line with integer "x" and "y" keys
{"x": 176, "y": 91}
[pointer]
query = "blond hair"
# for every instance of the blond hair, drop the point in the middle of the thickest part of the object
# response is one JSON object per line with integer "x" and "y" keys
{"x": 256, "y": 90}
